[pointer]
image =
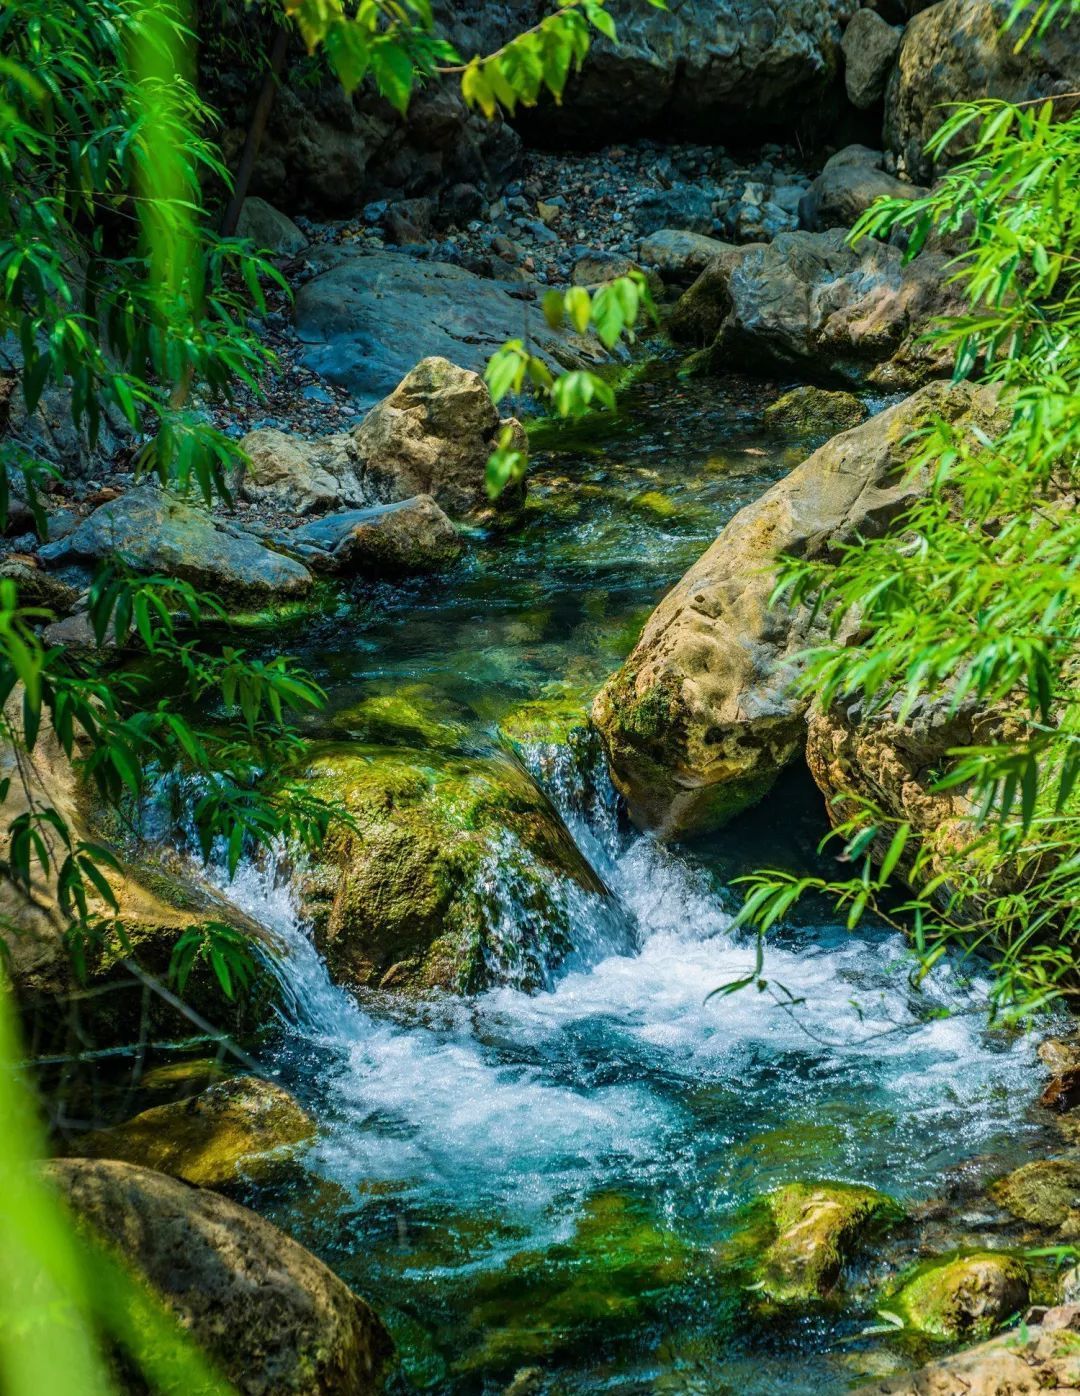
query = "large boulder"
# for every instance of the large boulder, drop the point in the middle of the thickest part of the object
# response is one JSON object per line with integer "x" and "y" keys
{"x": 386, "y": 540}
{"x": 703, "y": 715}
{"x": 696, "y": 66}
{"x": 432, "y": 436}
{"x": 965, "y": 1295}
{"x": 274, "y": 1319}
{"x": 957, "y": 51}
{"x": 234, "y": 1130}
{"x": 413, "y": 896}
{"x": 808, "y": 412}
{"x": 809, "y": 303}
{"x": 154, "y": 531}
{"x": 870, "y": 46}
{"x": 367, "y": 318}
{"x": 1032, "y": 1360}
{"x": 850, "y": 182}
{"x": 680, "y": 256}
{"x": 269, "y": 229}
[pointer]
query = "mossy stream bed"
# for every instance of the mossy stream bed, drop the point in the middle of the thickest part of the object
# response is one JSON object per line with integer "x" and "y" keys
{"x": 557, "y": 1191}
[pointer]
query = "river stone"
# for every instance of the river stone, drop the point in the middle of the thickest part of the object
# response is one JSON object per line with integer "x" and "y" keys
{"x": 870, "y": 46}
{"x": 808, "y": 412}
{"x": 1045, "y": 1193}
{"x": 269, "y": 229}
{"x": 289, "y": 473}
{"x": 445, "y": 847}
{"x": 685, "y": 206}
{"x": 432, "y": 436}
{"x": 155, "y": 531}
{"x": 236, "y": 1130}
{"x": 36, "y": 587}
{"x": 966, "y": 1296}
{"x": 702, "y": 66}
{"x": 956, "y": 51}
{"x": 273, "y": 1318}
{"x": 817, "y": 1227}
{"x": 368, "y": 317}
{"x": 809, "y": 303}
{"x": 1038, "y": 1359}
{"x": 386, "y": 540}
{"x": 680, "y": 256}
{"x": 849, "y": 183}
{"x": 702, "y": 716}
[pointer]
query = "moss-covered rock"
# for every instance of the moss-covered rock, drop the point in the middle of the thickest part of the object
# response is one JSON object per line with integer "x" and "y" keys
{"x": 415, "y": 894}
{"x": 1045, "y": 1194}
{"x": 963, "y": 1296}
{"x": 817, "y": 1226}
{"x": 238, "y": 1129}
{"x": 813, "y": 412}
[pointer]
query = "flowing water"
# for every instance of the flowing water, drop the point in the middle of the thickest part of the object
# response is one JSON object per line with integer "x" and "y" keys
{"x": 551, "y": 1181}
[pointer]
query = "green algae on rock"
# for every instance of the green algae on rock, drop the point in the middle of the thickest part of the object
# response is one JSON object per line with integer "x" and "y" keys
{"x": 413, "y": 894}
{"x": 1045, "y": 1194}
{"x": 963, "y": 1296}
{"x": 813, "y": 412}
{"x": 243, "y": 1128}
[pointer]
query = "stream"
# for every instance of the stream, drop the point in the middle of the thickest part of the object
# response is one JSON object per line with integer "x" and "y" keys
{"x": 538, "y": 1191}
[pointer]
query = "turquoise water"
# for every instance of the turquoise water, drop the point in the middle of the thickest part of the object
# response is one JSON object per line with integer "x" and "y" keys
{"x": 541, "y": 1187}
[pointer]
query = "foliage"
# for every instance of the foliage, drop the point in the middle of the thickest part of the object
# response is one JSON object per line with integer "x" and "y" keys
{"x": 971, "y": 602}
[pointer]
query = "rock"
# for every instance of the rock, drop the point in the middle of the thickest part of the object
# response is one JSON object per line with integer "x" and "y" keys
{"x": 236, "y": 1130}
{"x": 870, "y": 47}
{"x": 809, "y": 412}
{"x": 680, "y": 256}
{"x": 289, "y": 473}
{"x": 956, "y": 51}
{"x": 1059, "y": 1054}
{"x": 410, "y": 536}
{"x": 155, "y": 531}
{"x": 968, "y": 1296}
{"x": 1062, "y": 1092}
{"x": 367, "y": 318}
{"x": 594, "y": 268}
{"x": 817, "y": 1226}
{"x": 35, "y": 587}
{"x": 269, "y": 229}
{"x": 702, "y": 716}
{"x": 271, "y": 1316}
{"x": 1046, "y": 1194}
{"x": 700, "y": 66}
{"x": 413, "y": 897}
{"x": 851, "y": 181}
{"x": 685, "y": 207}
{"x": 432, "y": 435}
{"x": 810, "y": 303}
{"x": 1034, "y": 1360}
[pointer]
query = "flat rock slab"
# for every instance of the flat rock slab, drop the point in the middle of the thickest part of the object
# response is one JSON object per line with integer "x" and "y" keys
{"x": 154, "y": 531}
{"x": 369, "y": 317}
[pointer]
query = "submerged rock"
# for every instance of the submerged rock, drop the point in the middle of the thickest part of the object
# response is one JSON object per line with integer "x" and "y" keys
{"x": 458, "y": 873}
{"x": 154, "y": 531}
{"x": 809, "y": 302}
{"x": 240, "y": 1129}
{"x": 367, "y": 318}
{"x": 966, "y": 1296}
{"x": 703, "y": 715}
{"x": 1045, "y": 1194}
{"x": 809, "y": 412}
{"x": 959, "y": 51}
{"x": 432, "y": 436}
{"x": 386, "y": 540}
{"x": 817, "y": 1227}
{"x": 264, "y": 1310}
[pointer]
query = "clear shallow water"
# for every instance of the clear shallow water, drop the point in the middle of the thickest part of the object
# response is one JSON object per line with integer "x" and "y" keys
{"x": 549, "y": 1181}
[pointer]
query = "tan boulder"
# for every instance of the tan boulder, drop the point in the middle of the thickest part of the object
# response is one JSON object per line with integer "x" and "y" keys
{"x": 291, "y": 473}
{"x": 703, "y": 715}
{"x": 270, "y": 1315}
{"x": 432, "y": 435}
